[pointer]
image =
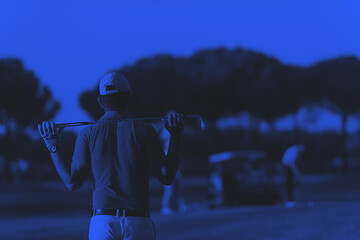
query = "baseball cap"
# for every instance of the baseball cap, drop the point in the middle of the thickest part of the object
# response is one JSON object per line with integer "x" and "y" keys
{"x": 113, "y": 82}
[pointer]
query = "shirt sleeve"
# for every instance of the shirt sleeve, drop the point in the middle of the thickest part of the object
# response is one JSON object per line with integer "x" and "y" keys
{"x": 289, "y": 157}
{"x": 81, "y": 152}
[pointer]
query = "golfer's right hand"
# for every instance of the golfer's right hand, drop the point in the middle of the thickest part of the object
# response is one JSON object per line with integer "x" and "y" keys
{"x": 49, "y": 133}
{"x": 174, "y": 123}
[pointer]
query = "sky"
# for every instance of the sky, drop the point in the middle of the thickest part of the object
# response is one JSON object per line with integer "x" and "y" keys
{"x": 70, "y": 45}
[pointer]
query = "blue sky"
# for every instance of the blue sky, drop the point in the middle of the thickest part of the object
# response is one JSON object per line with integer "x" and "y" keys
{"x": 71, "y": 44}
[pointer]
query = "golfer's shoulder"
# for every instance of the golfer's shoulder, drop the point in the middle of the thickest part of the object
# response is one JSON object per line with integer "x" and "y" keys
{"x": 85, "y": 132}
{"x": 95, "y": 127}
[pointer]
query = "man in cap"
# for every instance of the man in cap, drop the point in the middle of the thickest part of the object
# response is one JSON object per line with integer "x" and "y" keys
{"x": 118, "y": 152}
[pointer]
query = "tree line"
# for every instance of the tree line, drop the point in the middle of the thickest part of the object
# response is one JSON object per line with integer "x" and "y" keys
{"x": 222, "y": 82}
{"x": 212, "y": 83}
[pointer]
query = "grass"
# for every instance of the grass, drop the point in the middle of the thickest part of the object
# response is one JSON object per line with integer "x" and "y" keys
{"x": 331, "y": 220}
{"x": 32, "y": 211}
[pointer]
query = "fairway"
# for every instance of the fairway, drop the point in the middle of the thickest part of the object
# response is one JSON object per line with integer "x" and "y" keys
{"x": 33, "y": 211}
{"x": 322, "y": 220}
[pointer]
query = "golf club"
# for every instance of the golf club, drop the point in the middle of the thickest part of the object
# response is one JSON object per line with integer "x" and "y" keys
{"x": 76, "y": 124}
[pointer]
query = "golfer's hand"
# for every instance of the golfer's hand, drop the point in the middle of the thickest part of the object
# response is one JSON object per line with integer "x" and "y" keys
{"x": 174, "y": 123}
{"x": 49, "y": 133}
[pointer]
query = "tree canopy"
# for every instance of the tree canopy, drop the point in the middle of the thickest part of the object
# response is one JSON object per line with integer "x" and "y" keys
{"x": 338, "y": 80}
{"x": 23, "y": 100}
{"x": 211, "y": 83}
{"x": 221, "y": 82}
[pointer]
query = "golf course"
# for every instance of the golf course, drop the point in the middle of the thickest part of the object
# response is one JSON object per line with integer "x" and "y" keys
{"x": 329, "y": 209}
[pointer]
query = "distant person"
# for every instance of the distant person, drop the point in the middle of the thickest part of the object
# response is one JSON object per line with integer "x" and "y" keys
{"x": 118, "y": 153}
{"x": 289, "y": 160}
{"x": 216, "y": 187}
{"x": 175, "y": 190}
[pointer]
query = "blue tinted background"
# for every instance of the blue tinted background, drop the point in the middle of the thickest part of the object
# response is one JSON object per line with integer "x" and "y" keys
{"x": 71, "y": 44}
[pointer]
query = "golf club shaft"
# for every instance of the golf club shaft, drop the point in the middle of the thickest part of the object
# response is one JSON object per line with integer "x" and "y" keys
{"x": 72, "y": 124}
{"x": 76, "y": 124}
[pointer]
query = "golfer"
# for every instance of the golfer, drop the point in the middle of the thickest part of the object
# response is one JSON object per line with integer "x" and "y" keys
{"x": 289, "y": 160}
{"x": 118, "y": 153}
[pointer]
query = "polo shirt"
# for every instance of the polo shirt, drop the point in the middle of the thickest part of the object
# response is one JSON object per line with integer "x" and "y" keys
{"x": 291, "y": 155}
{"x": 120, "y": 153}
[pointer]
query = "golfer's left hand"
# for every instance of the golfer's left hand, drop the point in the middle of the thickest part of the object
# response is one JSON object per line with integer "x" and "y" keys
{"x": 49, "y": 133}
{"x": 174, "y": 123}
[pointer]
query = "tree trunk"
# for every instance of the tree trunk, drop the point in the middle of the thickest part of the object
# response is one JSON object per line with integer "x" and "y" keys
{"x": 214, "y": 138}
{"x": 297, "y": 130}
{"x": 255, "y": 132}
{"x": 345, "y": 166}
{"x": 7, "y": 156}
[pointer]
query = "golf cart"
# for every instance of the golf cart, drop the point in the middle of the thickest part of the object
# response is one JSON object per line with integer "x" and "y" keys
{"x": 241, "y": 177}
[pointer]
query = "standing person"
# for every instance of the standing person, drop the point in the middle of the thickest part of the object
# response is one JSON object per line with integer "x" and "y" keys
{"x": 216, "y": 187}
{"x": 118, "y": 153}
{"x": 291, "y": 156}
{"x": 174, "y": 190}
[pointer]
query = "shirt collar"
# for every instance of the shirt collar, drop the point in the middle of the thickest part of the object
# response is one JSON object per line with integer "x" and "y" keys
{"x": 115, "y": 115}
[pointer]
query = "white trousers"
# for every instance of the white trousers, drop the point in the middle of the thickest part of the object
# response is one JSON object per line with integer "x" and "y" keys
{"x": 105, "y": 227}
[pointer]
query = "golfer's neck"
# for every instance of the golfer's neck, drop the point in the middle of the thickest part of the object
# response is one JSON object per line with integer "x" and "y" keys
{"x": 123, "y": 112}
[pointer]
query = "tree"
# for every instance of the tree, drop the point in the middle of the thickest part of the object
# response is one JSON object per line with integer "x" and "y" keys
{"x": 338, "y": 80}
{"x": 23, "y": 104}
{"x": 206, "y": 83}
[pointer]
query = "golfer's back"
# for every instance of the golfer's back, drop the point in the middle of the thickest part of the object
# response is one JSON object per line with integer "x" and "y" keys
{"x": 119, "y": 154}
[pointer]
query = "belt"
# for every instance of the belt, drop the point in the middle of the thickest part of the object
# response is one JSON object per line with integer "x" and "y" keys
{"x": 120, "y": 212}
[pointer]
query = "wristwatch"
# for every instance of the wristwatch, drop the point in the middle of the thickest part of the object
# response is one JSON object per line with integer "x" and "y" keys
{"x": 53, "y": 148}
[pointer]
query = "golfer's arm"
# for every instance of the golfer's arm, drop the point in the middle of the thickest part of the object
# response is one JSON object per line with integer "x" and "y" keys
{"x": 63, "y": 166}
{"x": 172, "y": 159}
{"x": 69, "y": 172}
